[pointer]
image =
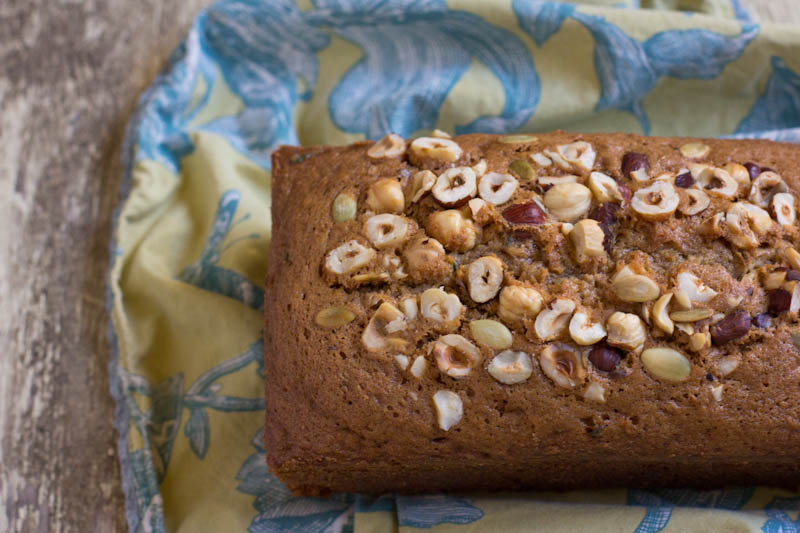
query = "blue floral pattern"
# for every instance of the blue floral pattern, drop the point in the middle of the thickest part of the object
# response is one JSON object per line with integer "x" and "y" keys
{"x": 628, "y": 69}
{"x": 410, "y": 56}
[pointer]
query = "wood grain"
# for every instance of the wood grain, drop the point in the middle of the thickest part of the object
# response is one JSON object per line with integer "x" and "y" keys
{"x": 70, "y": 73}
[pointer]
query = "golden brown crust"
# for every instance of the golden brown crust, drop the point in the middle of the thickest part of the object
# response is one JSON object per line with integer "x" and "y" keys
{"x": 342, "y": 417}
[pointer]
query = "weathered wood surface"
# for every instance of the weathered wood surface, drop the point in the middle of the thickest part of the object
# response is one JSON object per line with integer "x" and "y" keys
{"x": 70, "y": 72}
{"x": 69, "y": 75}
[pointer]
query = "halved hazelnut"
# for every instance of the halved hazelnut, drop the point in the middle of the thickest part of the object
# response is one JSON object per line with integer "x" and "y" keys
{"x": 635, "y": 288}
{"x": 491, "y": 333}
{"x": 765, "y": 186}
{"x": 390, "y": 145}
{"x": 511, "y": 367}
{"x": 348, "y": 257}
{"x": 440, "y": 134}
{"x": 551, "y": 322}
{"x": 401, "y": 360}
{"x": 418, "y": 185}
{"x": 541, "y": 159}
{"x": 694, "y": 288}
{"x": 585, "y": 332}
{"x": 449, "y": 409}
{"x": 441, "y": 307}
{"x": 666, "y": 364}
{"x": 661, "y": 316}
{"x": 440, "y": 149}
{"x": 626, "y": 331}
{"x": 382, "y": 327}
{"x": 695, "y": 150}
{"x": 595, "y": 392}
{"x": 453, "y": 229}
{"x": 783, "y": 208}
{"x": 455, "y": 186}
{"x": 604, "y": 187}
{"x": 455, "y": 355}
{"x": 518, "y": 303}
{"x": 695, "y": 201}
{"x": 386, "y": 196}
{"x": 587, "y": 236}
{"x": 387, "y": 230}
{"x": 717, "y": 182}
{"x": 579, "y": 153}
{"x": 656, "y": 202}
{"x": 484, "y": 277}
{"x": 568, "y": 201}
{"x": 739, "y": 173}
{"x": 497, "y": 188}
{"x": 562, "y": 364}
{"x": 746, "y": 224}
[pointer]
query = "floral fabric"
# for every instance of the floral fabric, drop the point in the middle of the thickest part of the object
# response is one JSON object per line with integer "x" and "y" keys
{"x": 193, "y": 227}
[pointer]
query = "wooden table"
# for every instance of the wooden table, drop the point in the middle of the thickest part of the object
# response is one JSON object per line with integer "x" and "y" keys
{"x": 69, "y": 76}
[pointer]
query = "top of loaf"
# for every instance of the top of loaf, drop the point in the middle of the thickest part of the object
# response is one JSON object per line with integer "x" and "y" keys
{"x": 469, "y": 283}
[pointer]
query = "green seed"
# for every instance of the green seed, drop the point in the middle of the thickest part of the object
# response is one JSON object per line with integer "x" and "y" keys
{"x": 796, "y": 339}
{"x": 522, "y": 169}
{"x": 332, "y": 317}
{"x": 343, "y": 208}
{"x": 666, "y": 364}
{"x": 491, "y": 333}
{"x": 517, "y": 139}
{"x": 299, "y": 158}
{"x": 691, "y": 315}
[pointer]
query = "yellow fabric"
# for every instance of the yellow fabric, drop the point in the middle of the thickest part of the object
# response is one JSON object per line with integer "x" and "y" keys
{"x": 193, "y": 232}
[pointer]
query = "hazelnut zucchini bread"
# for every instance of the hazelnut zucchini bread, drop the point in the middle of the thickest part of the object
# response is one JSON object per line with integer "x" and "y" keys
{"x": 550, "y": 311}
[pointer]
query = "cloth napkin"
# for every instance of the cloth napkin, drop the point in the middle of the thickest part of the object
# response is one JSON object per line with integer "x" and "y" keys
{"x": 192, "y": 230}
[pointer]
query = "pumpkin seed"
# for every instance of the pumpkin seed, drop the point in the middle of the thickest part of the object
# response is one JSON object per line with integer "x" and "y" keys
{"x": 691, "y": 315}
{"x": 517, "y": 139}
{"x": 666, "y": 364}
{"x": 522, "y": 169}
{"x": 332, "y": 317}
{"x": 343, "y": 208}
{"x": 695, "y": 150}
{"x": 491, "y": 333}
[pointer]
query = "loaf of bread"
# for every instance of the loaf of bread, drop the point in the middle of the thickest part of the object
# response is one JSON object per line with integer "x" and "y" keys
{"x": 551, "y": 312}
